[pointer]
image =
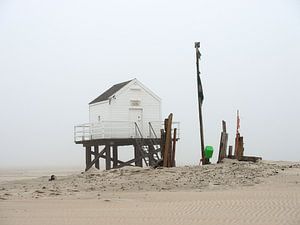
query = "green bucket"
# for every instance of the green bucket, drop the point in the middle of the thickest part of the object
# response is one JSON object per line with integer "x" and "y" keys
{"x": 208, "y": 152}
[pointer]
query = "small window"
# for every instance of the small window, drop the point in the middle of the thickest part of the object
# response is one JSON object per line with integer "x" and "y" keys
{"x": 99, "y": 118}
{"x": 135, "y": 102}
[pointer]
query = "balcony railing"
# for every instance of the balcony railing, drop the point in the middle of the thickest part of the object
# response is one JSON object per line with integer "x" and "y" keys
{"x": 119, "y": 129}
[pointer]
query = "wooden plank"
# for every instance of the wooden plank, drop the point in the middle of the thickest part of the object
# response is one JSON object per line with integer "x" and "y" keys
{"x": 121, "y": 163}
{"x": 174, "y": 148}
{"x": 88, "y": 157}
{"x": 151, "y": 157}
{"x": 250, "y": 158}
{"x": 95, "y": 159}
{"x": 236, "y": 145}
{"x": 108, "y": 141}
{"x": 107, "y": 158}
{"x": 115, "y": 156}
{"x": 223, "y": 143}
{"x": 96, "y": 152}
{"x": 162, "y": 142}
{"x": 240, "y": 148}
{"x": 167, "y": 149}
{"x": 224, "y": 151}
{"x": 137, "y": 156}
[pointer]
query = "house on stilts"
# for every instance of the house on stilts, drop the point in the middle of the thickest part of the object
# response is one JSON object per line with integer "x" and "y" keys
{"x": 127, "y": 114}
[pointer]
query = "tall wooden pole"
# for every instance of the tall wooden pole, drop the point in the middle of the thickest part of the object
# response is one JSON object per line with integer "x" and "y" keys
{"x": 200, "y": 100}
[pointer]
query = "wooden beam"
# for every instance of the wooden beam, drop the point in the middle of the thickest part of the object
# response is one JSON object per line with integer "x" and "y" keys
{"x": 108, "y": 141}
{"x": 240, "y": 152}
{"x": 173, "y": 163}
{"x": 162, "y": 142}
{"x": 236, "y": 145}
{"x": 250, "y": 158}
{"x": 107, "y": 157}
{"x": 121, "y": 163}
{"x": 137, "y": 156}
{"x": 95, "y": 159}
{"x": 115, "y": 156}
{"x": 167, "y": 150}
{"x": 151, "y": 150}
{"x": 88, "y": 157}
{"x": 224, "y": 148}
{"x": 223, "y": 143}
{"x": 96, "y": 152}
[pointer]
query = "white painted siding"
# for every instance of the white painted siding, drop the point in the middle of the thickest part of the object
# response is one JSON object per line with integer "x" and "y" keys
{"x": 150, "y": 106}
{"x": 99, "y": 109}
{"x": 132, "y": 96}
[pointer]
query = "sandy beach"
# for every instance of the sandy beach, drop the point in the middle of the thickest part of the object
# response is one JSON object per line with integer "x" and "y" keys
{"x": 228, "y": 193}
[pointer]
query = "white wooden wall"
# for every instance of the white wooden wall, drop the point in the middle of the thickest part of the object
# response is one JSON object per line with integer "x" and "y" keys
{"x": 99, "y": 109}
{"x": 118, "y": 108}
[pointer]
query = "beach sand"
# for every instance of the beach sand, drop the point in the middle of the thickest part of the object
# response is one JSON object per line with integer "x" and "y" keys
{"x": 228, "y": 193}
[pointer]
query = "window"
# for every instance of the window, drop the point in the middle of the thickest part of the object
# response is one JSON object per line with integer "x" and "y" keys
{"x": 135, "y": 102}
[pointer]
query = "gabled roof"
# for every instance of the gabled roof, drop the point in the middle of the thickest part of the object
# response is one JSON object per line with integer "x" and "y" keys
{"x": 111, "y": 91}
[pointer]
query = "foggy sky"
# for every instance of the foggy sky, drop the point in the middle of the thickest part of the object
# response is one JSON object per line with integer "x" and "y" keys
{"x": 56, "y": 56}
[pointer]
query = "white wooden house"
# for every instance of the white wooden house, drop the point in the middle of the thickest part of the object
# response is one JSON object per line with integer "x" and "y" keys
{"x": 125, "y": 110}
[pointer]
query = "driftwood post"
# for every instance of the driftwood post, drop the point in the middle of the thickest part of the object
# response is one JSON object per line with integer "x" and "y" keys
{"x": 240, "y": 149}
{"x": 168, "y": 145}
{"x": 237, "y": 138}
{"x": 223, "y": 143}
{"x": 173, "y": 164}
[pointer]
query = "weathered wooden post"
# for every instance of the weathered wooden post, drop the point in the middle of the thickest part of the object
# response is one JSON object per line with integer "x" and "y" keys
{"x": 96, "y": 152}
{"x": 115, "y": 156}
{"x": 168, "y": 145}
{"x": 107, "y": 158}
{"x": 88, "y": 157}
{"x": 151, "y": 150}
{"x": 174, "y": 148}
{"x": 137, "y": 156}
{"x": 223, "y": 143}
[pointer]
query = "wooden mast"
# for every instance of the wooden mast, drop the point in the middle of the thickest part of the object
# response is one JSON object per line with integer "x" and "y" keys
{"x": 200, "y": 100}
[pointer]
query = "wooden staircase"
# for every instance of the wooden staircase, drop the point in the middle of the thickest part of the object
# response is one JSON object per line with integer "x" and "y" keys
{"x": 149, "y": 148}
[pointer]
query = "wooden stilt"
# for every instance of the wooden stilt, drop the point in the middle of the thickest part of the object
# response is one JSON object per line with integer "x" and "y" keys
{"x": 107, "y": 149}
{"x": 115, "y": 156}
{"x": 88, "y": 157}
{"x": 223, "y": 143}
{"x": 137, "y": 156}
{"x": 100, "y": 155}
{"x": 96, "y": 152}
{"x": 107, "y": 158}
{"x": 151, "y": 158}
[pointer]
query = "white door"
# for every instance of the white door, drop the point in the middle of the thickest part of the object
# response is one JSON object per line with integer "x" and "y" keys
{"x": 136, "y": 115}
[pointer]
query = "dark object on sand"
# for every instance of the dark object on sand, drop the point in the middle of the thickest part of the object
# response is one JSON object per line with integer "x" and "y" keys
{"x": 53, "y": 177}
